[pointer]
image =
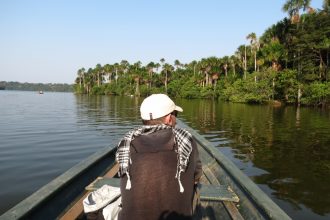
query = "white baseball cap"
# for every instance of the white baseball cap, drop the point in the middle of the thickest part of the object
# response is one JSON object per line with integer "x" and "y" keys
{"x": 156, "y": 106}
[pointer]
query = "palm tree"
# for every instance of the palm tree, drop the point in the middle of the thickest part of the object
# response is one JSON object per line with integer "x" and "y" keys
{"x": 124, "y": 65}
{"x": 108, "y": 71}
{"x": 204, "y": 69}
{"x": 225, "y": 61}
{"x": 89, "y": 79}
{"x": 150, "y": 67}
{"x": 162, "y": 60}
{"x": 233, "y": 61}
{"x": 81, "y": 73}
{"x": 116, "y": 67}
{"x": 241, "y": 56}
{"x": 326, "y": 6}
{"x": 157, "y": 65}
{"x": 272, "y": 53}
{"x": 293, "y": 7}
{"x": 98, "y": 71}
{"x": 214, "y": 65}
{"x": 193, "y": 64}
{"x": 167, "y": 68}
{"x": 177, "y": 64}
{"x": 254, "y": 47}
{"x": 137, "y": 75}
{"x": 137, "y": 65}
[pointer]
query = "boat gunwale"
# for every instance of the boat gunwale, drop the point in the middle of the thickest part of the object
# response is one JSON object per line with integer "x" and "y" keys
{"x": 29, "y": 204}
{"x": 262, "y": 201}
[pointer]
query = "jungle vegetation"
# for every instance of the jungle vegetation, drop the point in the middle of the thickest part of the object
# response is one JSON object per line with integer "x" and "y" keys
{"x": 49, "y": 87}
{"x": 289, "y": 63}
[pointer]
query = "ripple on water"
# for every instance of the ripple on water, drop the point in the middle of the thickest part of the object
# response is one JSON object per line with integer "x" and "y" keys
{"x": 43, "y": 136}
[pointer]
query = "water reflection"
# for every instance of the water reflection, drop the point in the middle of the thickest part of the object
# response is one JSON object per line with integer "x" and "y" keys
{"x": 285, "y": 150}
{"x": 101, "y": 111}
{"x": 44, "y": 136}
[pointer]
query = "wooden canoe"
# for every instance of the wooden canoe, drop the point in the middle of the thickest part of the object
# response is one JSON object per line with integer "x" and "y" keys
{"x": 62, "y": 197}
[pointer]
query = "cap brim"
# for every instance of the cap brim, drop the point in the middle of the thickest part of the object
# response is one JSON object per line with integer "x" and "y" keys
{"x": 178, "y": 108}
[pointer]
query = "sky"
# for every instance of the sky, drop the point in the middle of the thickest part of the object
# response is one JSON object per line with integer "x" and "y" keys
{"x": 47, "y": 41}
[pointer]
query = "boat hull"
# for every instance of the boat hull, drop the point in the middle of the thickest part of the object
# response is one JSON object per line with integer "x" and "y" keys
{"x": 56, "y": 198}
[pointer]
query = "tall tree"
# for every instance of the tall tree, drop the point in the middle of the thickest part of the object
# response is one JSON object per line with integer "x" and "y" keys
{"x": 89, "y": 80}
{"x": 241, "y": 56}
{"x": 293, "y": 7}
{"x": 81, "y": 73}
{"x": 225, "y": 62}
{"x": 150, "y": 68}
{"x": 167, "y": 69}
{"x": 326, "y": 6}
{"x": 162, "y": 60}
{"x": 98, "y": 72}
{"x": 254, "y": 47}
{"x": 194, "y": 65}
{"x": 233, "y": 61}
{"x": 272, "y": 53}
{"x": 116, "y": 67}
{"x": 108, "y": 72}
{"x": 123, "y": 67}
{"x": 177, "y": 64}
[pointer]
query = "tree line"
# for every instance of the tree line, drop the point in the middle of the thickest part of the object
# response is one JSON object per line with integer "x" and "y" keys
{"x": 288, "y": 63}
{"x": 51, "y": 87}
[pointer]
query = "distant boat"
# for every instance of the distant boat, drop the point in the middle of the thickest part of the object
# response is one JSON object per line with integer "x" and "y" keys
{"x": 41, "y": 92}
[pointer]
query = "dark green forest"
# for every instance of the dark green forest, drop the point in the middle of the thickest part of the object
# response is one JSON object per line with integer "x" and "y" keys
{"x": 50, "y": 87}
{"x": 288, "y": 64}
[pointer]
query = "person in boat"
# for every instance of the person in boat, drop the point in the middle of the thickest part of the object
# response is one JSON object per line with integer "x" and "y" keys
{"x": 159, "y": 165}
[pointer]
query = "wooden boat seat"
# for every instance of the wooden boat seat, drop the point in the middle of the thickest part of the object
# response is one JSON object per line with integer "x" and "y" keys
{"x": 207, "y": 192}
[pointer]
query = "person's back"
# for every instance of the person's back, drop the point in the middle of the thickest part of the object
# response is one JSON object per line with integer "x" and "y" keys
{"x": 161, "y": 167}
{"x": 155, "y": 190}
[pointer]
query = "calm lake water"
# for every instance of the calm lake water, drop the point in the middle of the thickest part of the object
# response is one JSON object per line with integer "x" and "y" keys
{"x": 286, "y": 150}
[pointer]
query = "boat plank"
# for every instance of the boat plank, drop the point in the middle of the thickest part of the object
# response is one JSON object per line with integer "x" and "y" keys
{"x": 254, "y": 203}
{"x": 207, "y": 192}
{"x": 232, "y": 210}
{"x": 217, "y": 193}
{"x": 211, "y": 210}
{"x": 212, "y": 179}
{"x": 76, "y": 210}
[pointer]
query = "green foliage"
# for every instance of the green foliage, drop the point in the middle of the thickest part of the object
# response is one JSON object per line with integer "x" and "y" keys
{"x": 254, "y": 89}
{"x": 317, "y": 93}
{"x": 173, "y": 88}
{"x": 208, "y": 92}
{"x": 144, "y": 91}
{"x": 292, "y": 55}
{"x": 189, "y": 90}
{"x": 286, "y": 86}
{"x": 110, "y": 89}
{"x": 51, "y": 87}
{"x": 97, "y": 90}
{"x": 272, "y": 52}
{"x": 78, "y": 89}
{"x": 125, "y": 86}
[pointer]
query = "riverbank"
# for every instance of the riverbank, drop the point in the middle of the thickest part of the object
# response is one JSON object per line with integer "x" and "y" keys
{"x": 256, "y": 88}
